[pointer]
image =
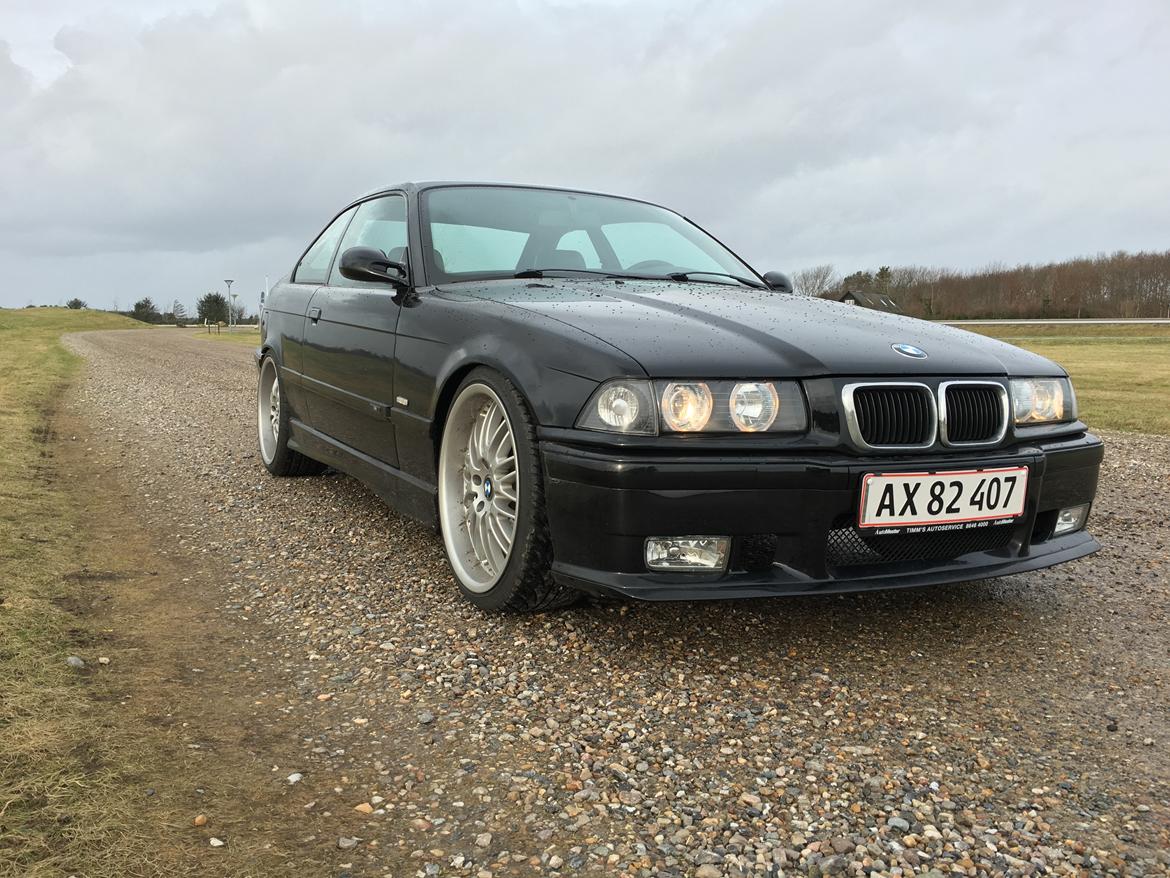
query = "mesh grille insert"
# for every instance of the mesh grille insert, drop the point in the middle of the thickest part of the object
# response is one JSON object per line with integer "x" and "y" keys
{"x": 974, "y": 413}
{"x": 894, "y": 415}
{"x": 848, "y": 548}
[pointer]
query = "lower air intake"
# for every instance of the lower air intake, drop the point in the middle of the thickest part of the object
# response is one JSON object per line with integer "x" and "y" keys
{"x": 848, "y": 548}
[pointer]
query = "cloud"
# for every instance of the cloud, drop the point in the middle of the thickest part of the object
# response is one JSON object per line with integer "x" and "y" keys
{"x": 178, "y": 147}
{"x": 15, "y": 83}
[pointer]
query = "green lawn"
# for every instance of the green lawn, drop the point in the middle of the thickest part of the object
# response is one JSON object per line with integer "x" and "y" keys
{"x": 43, "y": 708}
{"x": 1121, "y": 373}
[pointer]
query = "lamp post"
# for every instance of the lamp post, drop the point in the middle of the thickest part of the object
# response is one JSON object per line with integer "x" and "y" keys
{"x": 229, "y": 283}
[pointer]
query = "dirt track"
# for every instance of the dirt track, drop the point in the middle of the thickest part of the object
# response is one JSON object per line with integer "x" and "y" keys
{"x": 1001, "y": 727}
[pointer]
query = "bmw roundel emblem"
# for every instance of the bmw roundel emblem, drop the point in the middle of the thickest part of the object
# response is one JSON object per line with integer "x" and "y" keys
{"x": 908, "y": 350}
{"x": 487, "y": 489}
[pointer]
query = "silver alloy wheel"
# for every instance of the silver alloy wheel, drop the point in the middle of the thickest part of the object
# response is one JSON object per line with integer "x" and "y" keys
{"x": 268, "y": 410}
{"x": 479, "y": 487}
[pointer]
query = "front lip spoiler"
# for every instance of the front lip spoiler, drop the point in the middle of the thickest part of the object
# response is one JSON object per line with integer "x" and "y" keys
{"x": 785, "y": 581}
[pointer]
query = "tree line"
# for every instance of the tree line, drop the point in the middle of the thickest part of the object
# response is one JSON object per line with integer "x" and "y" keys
{"x": 1115, "y": 285}
{"x": 212, "y": 308}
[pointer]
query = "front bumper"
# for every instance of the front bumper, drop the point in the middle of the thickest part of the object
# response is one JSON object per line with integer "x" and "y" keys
{"x": 797, "y": 509}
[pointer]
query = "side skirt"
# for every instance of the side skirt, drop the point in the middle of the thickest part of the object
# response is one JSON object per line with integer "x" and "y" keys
{"x": 401, "y": 492}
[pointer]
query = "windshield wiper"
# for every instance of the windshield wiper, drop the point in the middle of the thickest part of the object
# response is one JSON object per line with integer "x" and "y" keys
{"x": 686, "y": 275}
{"x": 545, "y": 272}
{"x": 678, "y": 275}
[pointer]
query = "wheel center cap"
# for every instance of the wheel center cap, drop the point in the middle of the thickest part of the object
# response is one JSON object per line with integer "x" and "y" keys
{"x": 487, "y": 489}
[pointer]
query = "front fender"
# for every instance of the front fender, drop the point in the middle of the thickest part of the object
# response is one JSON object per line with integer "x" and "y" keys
{"x": 554, "y": 393}
{"x": 441, "y": 338}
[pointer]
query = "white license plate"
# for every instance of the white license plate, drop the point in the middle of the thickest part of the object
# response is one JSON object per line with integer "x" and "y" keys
{"x": 900, "y": 500}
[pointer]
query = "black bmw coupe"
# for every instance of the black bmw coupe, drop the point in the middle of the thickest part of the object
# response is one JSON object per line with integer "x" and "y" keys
{"x": 584, "y": 392}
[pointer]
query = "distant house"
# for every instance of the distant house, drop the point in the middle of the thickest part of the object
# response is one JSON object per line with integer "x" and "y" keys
{"x": 877, "y": 301}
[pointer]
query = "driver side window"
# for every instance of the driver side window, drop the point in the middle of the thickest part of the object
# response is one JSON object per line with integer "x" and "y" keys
{"x": 314, "y": 265}
{"x": 379, "y": 223}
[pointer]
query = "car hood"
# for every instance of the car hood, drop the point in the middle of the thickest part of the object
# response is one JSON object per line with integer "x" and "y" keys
{"x": 676, "y": 329}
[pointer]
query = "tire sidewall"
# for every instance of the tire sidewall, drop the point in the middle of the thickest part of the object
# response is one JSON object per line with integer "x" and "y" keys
{"x": 281, "y": 460}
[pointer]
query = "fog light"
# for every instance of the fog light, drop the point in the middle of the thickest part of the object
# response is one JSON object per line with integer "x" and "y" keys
{"x": 1071, "y": 519}
{"x": 687, "y": 553}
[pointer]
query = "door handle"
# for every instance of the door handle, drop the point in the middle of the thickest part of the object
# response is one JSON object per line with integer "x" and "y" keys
{"x": 314, "y": 314}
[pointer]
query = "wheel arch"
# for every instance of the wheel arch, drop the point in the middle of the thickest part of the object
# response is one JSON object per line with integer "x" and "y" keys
{"x": 446, "y": 396}
{"x": 560, "y": 398}
{"x": 458, "y": 372}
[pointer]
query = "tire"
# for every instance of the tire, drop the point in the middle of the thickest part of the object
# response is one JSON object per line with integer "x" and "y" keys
{"x": 480, "y": 493}
{"x": 272, "y": 427}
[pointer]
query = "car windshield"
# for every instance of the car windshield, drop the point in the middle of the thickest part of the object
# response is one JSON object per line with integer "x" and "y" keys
{"x": 477, "y": 232}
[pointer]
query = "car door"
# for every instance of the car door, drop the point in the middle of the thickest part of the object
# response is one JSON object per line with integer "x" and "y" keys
{"x": 285, "y": 312}
{"x": 349, "y": 339}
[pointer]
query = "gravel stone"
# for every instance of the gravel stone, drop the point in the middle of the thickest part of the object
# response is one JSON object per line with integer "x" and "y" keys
{"x": 805, "y": 735}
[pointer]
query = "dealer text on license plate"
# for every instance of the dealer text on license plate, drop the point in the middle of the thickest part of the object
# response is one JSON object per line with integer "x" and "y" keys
{"x": 928, "y": 500}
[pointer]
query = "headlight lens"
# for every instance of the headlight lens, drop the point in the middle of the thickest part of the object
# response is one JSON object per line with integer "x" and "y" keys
{"x": 686, "y": 407}
{"x": 753, "y": 406}
{"x": 635, "y": 406}
{"x": 1042, "y": 400}
{"x": 622, "y": 406}
{"x": 619, "y": 407}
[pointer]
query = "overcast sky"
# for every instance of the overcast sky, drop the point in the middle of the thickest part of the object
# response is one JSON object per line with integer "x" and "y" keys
{"x": 161, "y": 148}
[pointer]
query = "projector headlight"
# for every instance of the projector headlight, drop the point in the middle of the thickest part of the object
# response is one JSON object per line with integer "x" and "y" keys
{"x": 686, "y": 406}
{"x": 754, "y": 405}
{"x": 1042, "y": 401}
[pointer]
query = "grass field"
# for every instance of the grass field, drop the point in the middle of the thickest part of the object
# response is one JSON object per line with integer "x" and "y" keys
{"x": 1121, "y": 372}
{"x": 48, "y": 747}
{"x": 1086, "y": 331}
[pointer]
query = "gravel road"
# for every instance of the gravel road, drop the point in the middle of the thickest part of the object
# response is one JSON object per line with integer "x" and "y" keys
{"x": 1018, "y": 726}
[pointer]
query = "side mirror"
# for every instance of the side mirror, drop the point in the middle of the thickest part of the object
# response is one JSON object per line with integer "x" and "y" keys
{"x": 371, "y": 264}
{"x": 776, "y": 280}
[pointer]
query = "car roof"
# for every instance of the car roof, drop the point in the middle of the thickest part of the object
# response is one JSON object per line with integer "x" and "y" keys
{"x": 421, "y": 185}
